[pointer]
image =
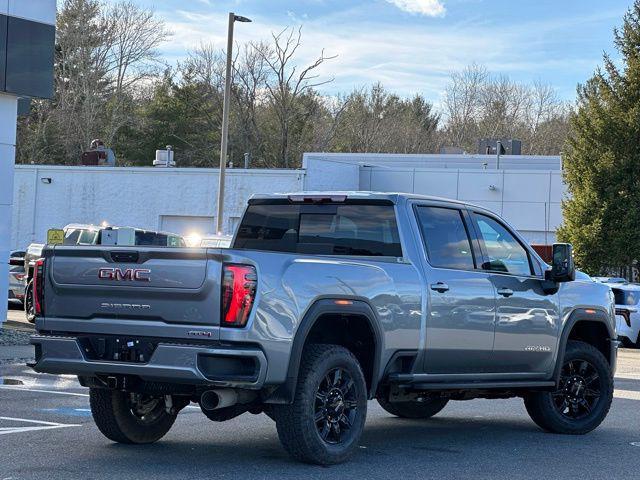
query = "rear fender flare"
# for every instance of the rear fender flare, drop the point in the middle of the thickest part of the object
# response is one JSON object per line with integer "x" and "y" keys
{"x": 285, "y": 393}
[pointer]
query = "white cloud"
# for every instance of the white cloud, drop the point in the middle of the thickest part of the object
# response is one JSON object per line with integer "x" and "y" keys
{"x": 430, "y": 8}
{"x": 405, "y": 57}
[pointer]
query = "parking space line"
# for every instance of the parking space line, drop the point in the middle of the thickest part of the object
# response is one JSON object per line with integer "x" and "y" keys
{"x": 628, "y": 376}
{"x": 57, "y": 392}
{"x": 39, "y": 425}
{"x": 626, "y": 394}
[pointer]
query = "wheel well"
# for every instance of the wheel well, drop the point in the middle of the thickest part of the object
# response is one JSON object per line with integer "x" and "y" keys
{"x": 353, "y": 332}
{"x": 593, "y": 333}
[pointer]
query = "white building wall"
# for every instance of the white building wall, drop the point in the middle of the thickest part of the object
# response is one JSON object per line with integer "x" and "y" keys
{"x": 527, "y": 190}
{"x": 330, "y": 175}
{"x": 152, "y": 198}
{"x": 528, "y": 200}
{"x": 184, "y": 199}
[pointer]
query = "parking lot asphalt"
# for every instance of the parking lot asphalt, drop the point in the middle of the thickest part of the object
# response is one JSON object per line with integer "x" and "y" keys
{"x": 46, "y": 432}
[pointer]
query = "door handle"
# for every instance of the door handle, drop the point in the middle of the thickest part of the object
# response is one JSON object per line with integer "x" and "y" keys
{"x": 439, "y": 287}
{"x": 505, "y": 292}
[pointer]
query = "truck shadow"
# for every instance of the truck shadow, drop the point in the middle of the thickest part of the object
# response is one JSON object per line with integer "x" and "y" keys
{"x": 390, "y": 441}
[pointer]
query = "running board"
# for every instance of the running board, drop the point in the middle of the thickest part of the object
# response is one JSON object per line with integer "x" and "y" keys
{"x": 479, "y": 385}
{"x": 422, "y": 382}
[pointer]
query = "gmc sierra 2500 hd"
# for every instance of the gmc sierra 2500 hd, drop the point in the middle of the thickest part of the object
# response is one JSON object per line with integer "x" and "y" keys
{"x": 322, "y": 302}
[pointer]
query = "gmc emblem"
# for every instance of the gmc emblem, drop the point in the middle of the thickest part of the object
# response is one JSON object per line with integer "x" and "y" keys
{"x": 129, "y": 274}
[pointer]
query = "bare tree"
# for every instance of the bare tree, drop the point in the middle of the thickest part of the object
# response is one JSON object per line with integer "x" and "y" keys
{"x": 288, "y": 85}
{"x": 250, "y": 79}
{"x": 462, "y": 103}
{"x": 129, "y": 50}
{"x": 478, "y": 105}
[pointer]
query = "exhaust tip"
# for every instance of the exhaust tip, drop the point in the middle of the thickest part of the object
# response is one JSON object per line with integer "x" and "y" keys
{"x": 209, "y": 400}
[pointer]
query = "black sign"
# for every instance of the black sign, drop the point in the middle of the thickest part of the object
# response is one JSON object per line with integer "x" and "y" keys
{"x": 26, "y": 57}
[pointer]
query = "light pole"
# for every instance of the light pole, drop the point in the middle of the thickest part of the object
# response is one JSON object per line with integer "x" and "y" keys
{"x": 225, "y": 118}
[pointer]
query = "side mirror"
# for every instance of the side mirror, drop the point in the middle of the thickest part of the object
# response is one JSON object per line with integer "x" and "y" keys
{"x": 562, "y": 267}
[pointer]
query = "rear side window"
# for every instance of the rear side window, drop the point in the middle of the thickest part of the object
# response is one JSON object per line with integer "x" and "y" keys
{"x": 327, "y": 229}
{"x": 445, "y": 237}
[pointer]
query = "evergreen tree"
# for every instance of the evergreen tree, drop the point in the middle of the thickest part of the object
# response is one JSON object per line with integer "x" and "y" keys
{"x": 602, "y": 164}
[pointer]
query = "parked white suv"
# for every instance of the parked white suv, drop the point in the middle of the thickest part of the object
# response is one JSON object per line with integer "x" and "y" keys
{"x": 627, "y": 297}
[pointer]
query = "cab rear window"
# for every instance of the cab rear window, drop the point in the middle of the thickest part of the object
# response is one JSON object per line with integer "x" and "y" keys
{"x": 327, "y": 229}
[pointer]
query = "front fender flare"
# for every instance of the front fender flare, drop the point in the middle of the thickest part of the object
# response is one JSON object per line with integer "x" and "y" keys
{"x": 581, "y": 315}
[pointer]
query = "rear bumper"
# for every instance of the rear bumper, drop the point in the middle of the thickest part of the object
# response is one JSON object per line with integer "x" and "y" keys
{"x": 171, "y": 363}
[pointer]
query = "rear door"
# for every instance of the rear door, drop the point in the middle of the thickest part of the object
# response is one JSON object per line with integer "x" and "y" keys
{"x": 172, "y": 285}
{"x": 461, "y": 298}
{"x": 527, "y": 318}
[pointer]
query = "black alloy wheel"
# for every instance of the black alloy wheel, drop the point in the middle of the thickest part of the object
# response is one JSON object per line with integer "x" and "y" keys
{"x": 580, "y": 389}
{"x": 336, "y": 406}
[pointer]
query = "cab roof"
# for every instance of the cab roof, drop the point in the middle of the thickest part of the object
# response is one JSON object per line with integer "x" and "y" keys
{"x": 393, "y": 197}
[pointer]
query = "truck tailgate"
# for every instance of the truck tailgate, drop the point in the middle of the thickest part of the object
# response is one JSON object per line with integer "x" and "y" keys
{"x": 138, "y": 283}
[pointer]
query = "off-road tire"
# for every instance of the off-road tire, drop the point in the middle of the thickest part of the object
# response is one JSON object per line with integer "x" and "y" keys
{"x": 543, "y": 411}
{"x": 421, "y": 410}
{"x": 297, "y": 429}
{"x": 111, "y": 410}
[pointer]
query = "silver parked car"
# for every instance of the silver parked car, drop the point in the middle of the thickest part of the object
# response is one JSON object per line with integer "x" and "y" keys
{"x": 16, "y": 277}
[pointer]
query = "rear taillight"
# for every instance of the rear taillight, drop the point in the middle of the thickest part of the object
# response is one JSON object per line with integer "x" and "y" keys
{"x": 38, "y": 288}
{"x": 238, "y": 293}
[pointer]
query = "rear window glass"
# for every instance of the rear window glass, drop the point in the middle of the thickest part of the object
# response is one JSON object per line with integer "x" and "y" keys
{"x": 352, "y": 229}
{"x": 626, "y": 297}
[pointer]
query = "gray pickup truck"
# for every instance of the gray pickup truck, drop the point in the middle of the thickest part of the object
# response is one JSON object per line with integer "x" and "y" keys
{"x": 322, "y": 302}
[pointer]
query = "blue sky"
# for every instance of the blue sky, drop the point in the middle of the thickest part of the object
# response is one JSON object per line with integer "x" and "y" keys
{"x": 411, "y": 46}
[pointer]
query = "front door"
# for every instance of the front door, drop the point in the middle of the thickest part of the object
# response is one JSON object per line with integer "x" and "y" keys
{"x": 527, "y": 318}
{"x": 461, "y": 298}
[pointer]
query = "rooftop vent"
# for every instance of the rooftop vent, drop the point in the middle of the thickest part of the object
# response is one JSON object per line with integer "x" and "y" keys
{"x": 488, "y": 146}
{"x": 164, "y": 158}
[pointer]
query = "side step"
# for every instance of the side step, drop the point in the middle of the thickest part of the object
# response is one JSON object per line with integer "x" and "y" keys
{"x": 427, "y": 382}
{"x": 480, "y": 385}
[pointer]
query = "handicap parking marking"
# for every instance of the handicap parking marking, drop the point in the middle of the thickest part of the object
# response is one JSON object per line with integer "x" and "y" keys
{"x": 33, "y": 425}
